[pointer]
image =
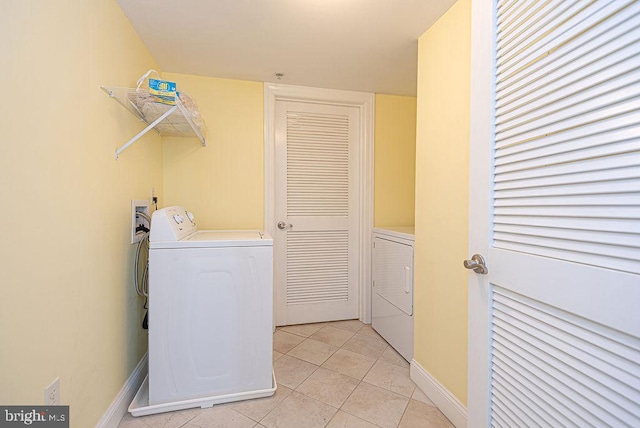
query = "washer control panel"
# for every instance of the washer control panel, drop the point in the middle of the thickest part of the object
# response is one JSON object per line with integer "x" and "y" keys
{"x": 172, "y": 224}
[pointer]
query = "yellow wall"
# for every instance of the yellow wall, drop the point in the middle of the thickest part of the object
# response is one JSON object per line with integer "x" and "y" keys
{"x": 442, "y": 163}
{"x": 223, "y": 183}
{"x": 67, "y": 306}
{"x": 395, "y": 156}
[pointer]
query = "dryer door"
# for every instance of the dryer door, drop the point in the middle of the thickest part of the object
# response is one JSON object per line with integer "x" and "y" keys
{"x": 393, "y": 273}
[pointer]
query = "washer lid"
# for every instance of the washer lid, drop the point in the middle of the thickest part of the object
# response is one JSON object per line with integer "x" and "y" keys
{"x": 218, "y": 238}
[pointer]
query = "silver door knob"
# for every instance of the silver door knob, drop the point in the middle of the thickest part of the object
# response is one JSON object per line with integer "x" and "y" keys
{"x": 282, "y": 225}
{"x": 477, "y": 264}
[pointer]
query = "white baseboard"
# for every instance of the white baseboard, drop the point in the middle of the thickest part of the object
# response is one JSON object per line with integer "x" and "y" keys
{"x": 120, "y": 404}
{"x": 448, "y": 404}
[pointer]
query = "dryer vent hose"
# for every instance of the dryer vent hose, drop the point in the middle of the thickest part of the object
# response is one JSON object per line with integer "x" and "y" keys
{"x": 141, "y": 263}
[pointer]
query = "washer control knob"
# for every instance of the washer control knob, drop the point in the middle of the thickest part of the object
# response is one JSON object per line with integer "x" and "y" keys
{"x": 190, "y": 216}
{"x": 178, "y": 218}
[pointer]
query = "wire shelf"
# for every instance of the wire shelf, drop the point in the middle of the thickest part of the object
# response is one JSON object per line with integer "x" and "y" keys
{"x": 167, "y": 120}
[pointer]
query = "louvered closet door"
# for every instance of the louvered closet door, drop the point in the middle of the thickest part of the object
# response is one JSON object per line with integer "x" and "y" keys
{"x": 563, "y": 289}
{"x": 316, "y": 254}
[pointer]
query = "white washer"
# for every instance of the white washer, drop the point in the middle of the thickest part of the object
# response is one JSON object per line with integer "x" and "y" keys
{"x": 392, "y": 297}
{"x": 210, "y": 314}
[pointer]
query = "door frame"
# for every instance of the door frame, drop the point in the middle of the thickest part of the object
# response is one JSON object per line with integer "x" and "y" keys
{"x": 364, "y": 101}
{"x": 480, "y": 208}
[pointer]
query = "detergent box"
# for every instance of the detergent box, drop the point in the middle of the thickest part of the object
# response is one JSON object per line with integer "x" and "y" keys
{"x": 163, "y": 91}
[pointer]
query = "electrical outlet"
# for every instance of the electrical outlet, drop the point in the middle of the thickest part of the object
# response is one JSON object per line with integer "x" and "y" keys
{"x": 153, "y": 199}
{"x": 139, "y": 218}
{"x": 52, "y": 393}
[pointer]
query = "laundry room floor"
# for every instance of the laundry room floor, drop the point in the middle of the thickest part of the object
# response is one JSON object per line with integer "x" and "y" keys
{"x": 335, "y": 374}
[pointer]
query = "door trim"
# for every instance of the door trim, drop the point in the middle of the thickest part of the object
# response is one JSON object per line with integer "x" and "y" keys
{"x": 364, "y": 101}
{"x": 480, "y": 209}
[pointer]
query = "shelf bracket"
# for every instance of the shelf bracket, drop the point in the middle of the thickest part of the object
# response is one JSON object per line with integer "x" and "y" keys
{"x": 145, "y": 130}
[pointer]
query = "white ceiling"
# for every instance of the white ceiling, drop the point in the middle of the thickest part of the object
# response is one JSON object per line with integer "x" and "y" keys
{"x": 362, "y": 45}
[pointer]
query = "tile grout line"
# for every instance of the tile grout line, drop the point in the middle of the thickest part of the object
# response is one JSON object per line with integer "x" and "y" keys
{"x": 351, "y": 393}
{"x": 362, "y": 380}
{"x": 296, "y": 388}
{"x": 359, "y": 380}
{"x": 356, "y": 387}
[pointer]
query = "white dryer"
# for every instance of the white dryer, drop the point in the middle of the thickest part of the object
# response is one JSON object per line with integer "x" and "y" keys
{"x": 392, "y": 297}
{"x": 210, "y": 314}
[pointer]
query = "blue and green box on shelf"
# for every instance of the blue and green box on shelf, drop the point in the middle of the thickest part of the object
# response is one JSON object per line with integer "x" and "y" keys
{"x": 163, "y": 91}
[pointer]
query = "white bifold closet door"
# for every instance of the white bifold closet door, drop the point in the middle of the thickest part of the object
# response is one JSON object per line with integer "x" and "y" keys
{"x": 562, "y": 297}
{"x": 316, "y": 245}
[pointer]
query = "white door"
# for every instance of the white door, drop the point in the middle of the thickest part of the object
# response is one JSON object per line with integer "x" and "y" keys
{"x": 316, "y": 208}
{"x": 554, "y": 327}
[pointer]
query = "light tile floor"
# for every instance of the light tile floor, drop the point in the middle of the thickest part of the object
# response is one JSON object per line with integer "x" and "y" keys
{"x": 338, "y": 374}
